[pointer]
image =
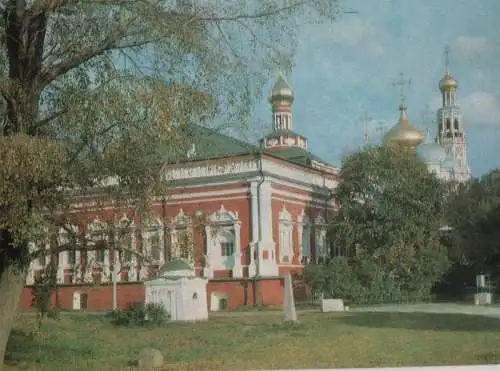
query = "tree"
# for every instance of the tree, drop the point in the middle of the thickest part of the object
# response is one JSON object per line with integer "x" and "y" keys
{"x": 474, "y": 215}
{"x": 390, "y": 211}
{"x": 91, "y": 90}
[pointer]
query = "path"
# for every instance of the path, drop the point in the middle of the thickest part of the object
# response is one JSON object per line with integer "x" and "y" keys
{"x": 450, "y": 308}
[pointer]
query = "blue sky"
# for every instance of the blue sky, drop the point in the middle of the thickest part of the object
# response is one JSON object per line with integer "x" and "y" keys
{"x": 348, "y": 67}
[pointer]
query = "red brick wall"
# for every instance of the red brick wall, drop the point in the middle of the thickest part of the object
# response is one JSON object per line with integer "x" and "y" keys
{"x": 269, "y": 294}
{"x": 98, "y": 297}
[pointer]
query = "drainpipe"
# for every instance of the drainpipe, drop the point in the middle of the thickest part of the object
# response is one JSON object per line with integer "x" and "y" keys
{"x": 257, "y": 274}
{"x": 115, "y": 273}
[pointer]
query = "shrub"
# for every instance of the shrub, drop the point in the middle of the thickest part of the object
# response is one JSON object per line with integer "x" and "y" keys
{"x": 138, "y": 314}
{"x": 367, "y": 281}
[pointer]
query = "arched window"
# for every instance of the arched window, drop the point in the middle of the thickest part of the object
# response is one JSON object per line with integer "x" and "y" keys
{"x": 97, "y": 240}
{"x": 304, "y": 238}
{"x": 320, "y": 243}
{"x": 152, "y": 239}
{"x": 182, "y": 245}
{"x": 225, "y": 247}
{"x": 285, "y": 237}
{"x": 224, "y": 243}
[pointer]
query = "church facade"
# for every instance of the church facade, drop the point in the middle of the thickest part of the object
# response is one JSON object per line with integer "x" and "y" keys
{"x": 243, "y": 216}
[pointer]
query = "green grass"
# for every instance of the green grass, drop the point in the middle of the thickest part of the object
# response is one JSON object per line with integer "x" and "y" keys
{"x": 260, "y": 340}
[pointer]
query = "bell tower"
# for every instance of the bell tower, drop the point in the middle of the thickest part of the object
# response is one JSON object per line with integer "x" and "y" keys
{"x": 281, "y": 98}
{"x": 450, "y": 127}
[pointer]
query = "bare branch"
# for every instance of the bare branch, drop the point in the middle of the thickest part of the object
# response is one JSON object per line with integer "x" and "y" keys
{"x": 264, "y": 14}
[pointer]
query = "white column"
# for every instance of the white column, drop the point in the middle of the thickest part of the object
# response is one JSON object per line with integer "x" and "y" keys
{"x": 267, "y": 267}
{"x": 254, "y": 210}
{"x": 300, "y": 227}
{"x": 208, "y": 271}
{"x": 105, "y": 267}
{"x": 61, "y": 264}
{"x": 30, "y": 278}
{"x": 237, "y": 267}
{"x": 266, "y": 226}
{"x": 132, "y": 272}
{"x": 143, "y": 272}
{"x": 77, "y": 273}
{"x": 117, "y": 265}
{"x": 89, "y": 264}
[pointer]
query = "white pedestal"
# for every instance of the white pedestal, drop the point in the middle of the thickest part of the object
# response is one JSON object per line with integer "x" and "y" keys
{"x": 332, "y": 305}
{"x": 483, "y": 298}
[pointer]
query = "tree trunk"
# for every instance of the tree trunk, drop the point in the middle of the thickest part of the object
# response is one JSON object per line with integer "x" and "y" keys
{"x": 11, "y": 286}
{"x": 13, "y": 269}
{"x": 25, "y": 37}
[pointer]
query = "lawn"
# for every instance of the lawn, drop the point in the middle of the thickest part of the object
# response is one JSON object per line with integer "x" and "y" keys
{"x": 259, "y": 340}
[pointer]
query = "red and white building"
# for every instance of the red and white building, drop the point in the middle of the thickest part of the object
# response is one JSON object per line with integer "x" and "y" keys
{"x": 264, "y": 208}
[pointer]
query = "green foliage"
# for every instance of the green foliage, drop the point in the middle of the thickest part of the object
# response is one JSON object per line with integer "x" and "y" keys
{"x": 99, "y": 95}
{"x": 474, "y": 214}
{"x": 42, "y": 291}
{"x": 390, "y": 211}
{"x": 386, "y": 196}
{"x": 473, "y": 242}
{"x": 138, "y": 314}
{"x": 365, "y": 281}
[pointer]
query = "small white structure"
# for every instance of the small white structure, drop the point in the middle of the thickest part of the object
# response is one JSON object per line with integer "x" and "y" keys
{"x": 183, "y": 295}
{"x": 483, "y": 298}
{"x": 332, "y": 305}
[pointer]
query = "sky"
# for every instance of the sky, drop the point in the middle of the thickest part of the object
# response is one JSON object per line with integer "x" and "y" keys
{"x": 346, "y": 69}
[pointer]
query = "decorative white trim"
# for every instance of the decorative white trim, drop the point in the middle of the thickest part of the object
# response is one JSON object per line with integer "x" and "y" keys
{"x": 204, "y": 170}
{"x": 199, "y": 200}
{"x": 181, "y": 225}
{"x": 316, "y": 205}
{"x": 304, "y": 225}
{"x": 285, "y": 236}
{"x": 152, "y": 228}
{"x": 320, "y": 240}
{"x": 224, "y": 223}
{"x": 238, "y": 166}
{"x": 300, "y": 197}
{"x": 207, "y": 194}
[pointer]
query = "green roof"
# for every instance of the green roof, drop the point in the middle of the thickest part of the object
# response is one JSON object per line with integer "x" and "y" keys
{"x": 202, "y": 143}
{"x": 281, "y": 84}
{"x": 174, "y": 265}
{"x": 211, "y": 144}
{"x": 283, "y": 133}
{"x": 297, "y": 155}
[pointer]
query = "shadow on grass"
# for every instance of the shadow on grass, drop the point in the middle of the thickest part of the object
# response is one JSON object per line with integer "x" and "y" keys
{"x": 24, "y": 348}
{"x": 16, "y": 346}
{"x": 423, "y": 321}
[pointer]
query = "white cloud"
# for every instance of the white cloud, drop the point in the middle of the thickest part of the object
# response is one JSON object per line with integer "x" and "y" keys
{"x": 467, "y": 47}
{"x": 355, "y": 32}
{"x": 478, "y": 108}
{"x": 434, "y": 103}
{"x": 481, "y": 107}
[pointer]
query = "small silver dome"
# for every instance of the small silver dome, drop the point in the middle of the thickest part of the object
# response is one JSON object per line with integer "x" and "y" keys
{"x": 430, "y": 151}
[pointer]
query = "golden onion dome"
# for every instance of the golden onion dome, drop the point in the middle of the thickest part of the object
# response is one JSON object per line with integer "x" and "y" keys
{"x": 403, "y": 133}
{"x": 281, "y": 91}
{"x": 447, "y": 82}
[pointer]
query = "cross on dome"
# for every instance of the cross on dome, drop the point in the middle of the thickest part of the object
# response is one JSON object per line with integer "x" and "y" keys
{"x": 402, "y": 83}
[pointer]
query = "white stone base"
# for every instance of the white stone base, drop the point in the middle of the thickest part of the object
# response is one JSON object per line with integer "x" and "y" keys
{"x": 483, "y": 298}
{"x": 208, "y": 272}
{"x": 268, "y": 268}
{"x": 332, "y": 305}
